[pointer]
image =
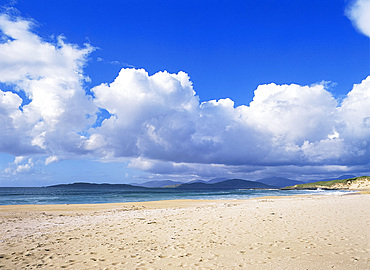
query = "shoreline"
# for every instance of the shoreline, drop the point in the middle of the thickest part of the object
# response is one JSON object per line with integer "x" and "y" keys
{"x": 279, "y": 232}
{"x": 150, "y": 204}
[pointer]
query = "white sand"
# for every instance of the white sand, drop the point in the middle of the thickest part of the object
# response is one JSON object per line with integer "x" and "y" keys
{"x": 307, "y": 232}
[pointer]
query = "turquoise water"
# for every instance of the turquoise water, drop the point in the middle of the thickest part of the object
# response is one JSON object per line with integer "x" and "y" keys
{"x": 47, "y": 195}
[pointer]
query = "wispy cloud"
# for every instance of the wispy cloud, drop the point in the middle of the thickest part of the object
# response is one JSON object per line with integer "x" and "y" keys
{"x": 115, "y": 62}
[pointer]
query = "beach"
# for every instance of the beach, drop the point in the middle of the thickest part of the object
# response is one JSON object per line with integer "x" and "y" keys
{"x": 298, "y": 232}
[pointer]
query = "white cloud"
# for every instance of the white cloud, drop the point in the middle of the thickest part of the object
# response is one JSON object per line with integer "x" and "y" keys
{"x": 95, "y": 141}
{"x": 9, "y": 112}
{"x": 159, "y": 117}
{"x": 51, "y": 159}
{"x": 353, "y": 122}
{"x": 21, "y": 165}
{"x": 359, "y": 14}
{"x": 51, "y": 76}
{"x": 19, "y": 159}
{"x": 188, "y": 171}
{"x": 158, "y": 123}
{"x": 292, "y": 113}
{"x": 146, "y": 111}
{"x": 24, "y": 168}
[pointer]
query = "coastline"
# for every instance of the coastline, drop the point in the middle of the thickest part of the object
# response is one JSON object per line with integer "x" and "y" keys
{"x": 292, "y": 232}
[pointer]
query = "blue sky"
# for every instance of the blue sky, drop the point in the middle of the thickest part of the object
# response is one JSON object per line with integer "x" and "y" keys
{"x": 227, "y": 49}
{"x": 252, "y": 89}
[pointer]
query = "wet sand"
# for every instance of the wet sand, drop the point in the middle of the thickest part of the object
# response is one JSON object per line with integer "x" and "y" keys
{"x": 301, "y": 232}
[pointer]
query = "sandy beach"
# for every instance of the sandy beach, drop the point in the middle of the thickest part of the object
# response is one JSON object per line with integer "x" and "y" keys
{"x": 301, "y": 232}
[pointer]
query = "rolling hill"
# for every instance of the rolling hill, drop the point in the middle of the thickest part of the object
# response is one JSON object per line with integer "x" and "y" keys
{"x": 224, "y": 185}
{"x": 279, "y": 182}
{"x": 356, "y": 183}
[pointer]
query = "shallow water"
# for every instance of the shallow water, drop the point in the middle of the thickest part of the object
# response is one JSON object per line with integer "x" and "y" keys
{"x": 60, "y": 195}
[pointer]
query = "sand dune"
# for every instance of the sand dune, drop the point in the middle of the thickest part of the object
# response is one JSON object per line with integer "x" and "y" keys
{"x": 307, "y": 232}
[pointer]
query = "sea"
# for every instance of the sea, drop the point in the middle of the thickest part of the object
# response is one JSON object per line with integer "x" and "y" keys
{"x": 62, "y": 195}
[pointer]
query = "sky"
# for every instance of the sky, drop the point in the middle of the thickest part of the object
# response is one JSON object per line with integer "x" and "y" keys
{"x": 137, "y": 90}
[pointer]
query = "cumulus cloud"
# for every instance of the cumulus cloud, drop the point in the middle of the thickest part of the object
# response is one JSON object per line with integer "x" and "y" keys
{"x": 159, "y": 118}
{"x": 21, "y": 165}
{"x": 157, "y": 123}
{"x": 359, "y": 14}
{"x": 293, "y": 113}
{"x": 51, "y": 76}
{"x": 148, "y": 112}
{"x": 9, "y": 110}
{"x": 353, "y": 122}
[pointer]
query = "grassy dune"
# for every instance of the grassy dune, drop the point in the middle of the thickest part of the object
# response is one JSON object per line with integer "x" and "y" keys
{"x": 361, "y": 182}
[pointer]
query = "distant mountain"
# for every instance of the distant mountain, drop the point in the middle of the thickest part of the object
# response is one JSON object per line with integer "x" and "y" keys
{"x": 170, "y": 183}
{"x": 212, "y": 181}
{"x": 155, "y": 184}
{"x": 279, "y": 182}
{"x": 92, "y": 186}
{"x": 216, "y": 180}
{"x": 345, "y": 176}
{"x": 228, "y": 184}
{"x": 195, "y": 181}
